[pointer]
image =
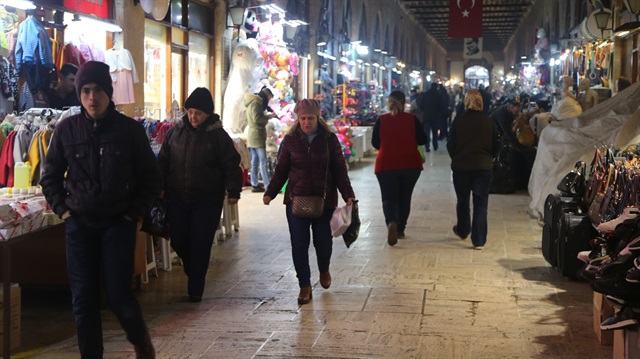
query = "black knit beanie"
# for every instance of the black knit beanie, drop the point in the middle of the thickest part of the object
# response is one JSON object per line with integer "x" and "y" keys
{"x": 94, "y": 72}
{"x": 200, "y": 99}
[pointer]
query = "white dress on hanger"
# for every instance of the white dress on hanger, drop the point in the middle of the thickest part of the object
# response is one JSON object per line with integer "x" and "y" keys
{"x": 123, "y": 74}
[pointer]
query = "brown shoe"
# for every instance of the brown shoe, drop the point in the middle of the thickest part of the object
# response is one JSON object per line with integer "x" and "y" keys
{"x": 325, "y": 279}
{"x": 305, "y": 295}
{"x": 145, "y": 349}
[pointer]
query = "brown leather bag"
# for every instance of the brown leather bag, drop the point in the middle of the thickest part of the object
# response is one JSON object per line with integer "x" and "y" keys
{"x": 307, "y": 206}
{"x": 311, "y": 206}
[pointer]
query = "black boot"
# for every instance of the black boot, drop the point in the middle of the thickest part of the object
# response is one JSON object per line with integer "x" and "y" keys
{"x": 145, "y": 349}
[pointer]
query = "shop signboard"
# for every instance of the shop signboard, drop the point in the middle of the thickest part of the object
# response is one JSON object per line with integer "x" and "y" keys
{"x": 99, "y": 8}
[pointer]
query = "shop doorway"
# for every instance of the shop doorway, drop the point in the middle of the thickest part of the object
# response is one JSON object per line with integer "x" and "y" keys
{"x": 475, "y": 76}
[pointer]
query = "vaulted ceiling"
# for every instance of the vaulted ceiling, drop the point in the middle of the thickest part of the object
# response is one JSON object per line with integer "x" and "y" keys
{"x": 500, "y": 19}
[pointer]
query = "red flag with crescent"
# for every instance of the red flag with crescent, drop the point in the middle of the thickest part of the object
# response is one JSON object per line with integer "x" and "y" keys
{"x": 465, "y": 18}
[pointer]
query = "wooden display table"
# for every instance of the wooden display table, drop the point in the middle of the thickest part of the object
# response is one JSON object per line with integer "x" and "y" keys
{"x": 39, "y": 258}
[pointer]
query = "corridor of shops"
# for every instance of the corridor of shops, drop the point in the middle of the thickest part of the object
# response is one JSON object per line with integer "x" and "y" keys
{"x": 430, "y": 296}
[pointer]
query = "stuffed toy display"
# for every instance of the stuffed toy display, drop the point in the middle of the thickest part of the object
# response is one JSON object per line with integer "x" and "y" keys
{"x": 244, "y": 77}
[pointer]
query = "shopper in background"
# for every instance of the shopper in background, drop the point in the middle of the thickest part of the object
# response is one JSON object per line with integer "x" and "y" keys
{"x": 487, "y": 106}
{"x": 397, "y": 136}
{"x": 473, "y": 143}
{"x": 101, "y": 177}
{"x": 64, "y": 94}
{"x": 444, "y": 119}
{"x": 542, "y": 119}
{"x": 503, "y": 117}
{"x": 200, "y": 166}
{"x": 432, "y": 107}
{"x": 311, "y": 159}
{"x": 257, "y": 120}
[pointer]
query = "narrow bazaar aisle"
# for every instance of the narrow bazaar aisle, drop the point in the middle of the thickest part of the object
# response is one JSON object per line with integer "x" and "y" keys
{"x": 430, "y": 296}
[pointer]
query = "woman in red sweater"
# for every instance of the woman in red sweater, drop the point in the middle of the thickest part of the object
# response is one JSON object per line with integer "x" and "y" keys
{"x": 397, "y": 136}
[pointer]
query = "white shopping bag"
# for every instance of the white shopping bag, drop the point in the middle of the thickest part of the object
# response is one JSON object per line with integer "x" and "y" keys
{"x": 341, "y": 220}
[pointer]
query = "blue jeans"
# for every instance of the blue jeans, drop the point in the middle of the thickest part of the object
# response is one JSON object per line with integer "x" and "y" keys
{"x": 478, "y": 183}
{"x": 396, "y": 189}
{"x": 102, "y": 255}
{"x": 300, "y": 240}
{"x": 259, "y": 155}
{"x": 192, "y": 228}
{"x": 431, "y": 130}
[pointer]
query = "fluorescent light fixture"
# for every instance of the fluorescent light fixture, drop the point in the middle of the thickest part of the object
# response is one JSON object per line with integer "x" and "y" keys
{"x": 18, "y": 4}
{"x": 359, "y": 61}
{"x": 523, "y": 57}
{"x": 92, "y": 23}
{"x": 344, "y": 59}
{"x": 375, "y": 64}
{"x": 322, "y": 43}
{"x": 327, "y": 56}
{"x": 377, "y": 50}
{"x": 272, "y": 9}
{"x": 295, "y": 23}
{"x": 384, "y": 52}
{"x": 367, "y": 64}
{"x": 362, "y": 50}
{"x": 382, "y": 68}
{"x": 351, "y": 63}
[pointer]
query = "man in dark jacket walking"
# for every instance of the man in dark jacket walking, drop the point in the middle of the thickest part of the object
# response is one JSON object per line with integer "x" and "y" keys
{"x": 101, "y": 177}
{"x": 432, "y": 107}
{"x": 200, "y": 166}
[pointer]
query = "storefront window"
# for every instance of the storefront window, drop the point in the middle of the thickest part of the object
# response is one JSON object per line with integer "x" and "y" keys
{"x": 155, "y": 68}
{"x": 177, "y": 73}
{"x": 199, "y": 66}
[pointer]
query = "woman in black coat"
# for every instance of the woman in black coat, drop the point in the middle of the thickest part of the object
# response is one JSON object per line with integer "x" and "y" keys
{"x": 200, "y": 166}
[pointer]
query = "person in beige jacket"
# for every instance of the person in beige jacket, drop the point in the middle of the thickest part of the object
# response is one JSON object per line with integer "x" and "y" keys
{"x": 257, "y": 119}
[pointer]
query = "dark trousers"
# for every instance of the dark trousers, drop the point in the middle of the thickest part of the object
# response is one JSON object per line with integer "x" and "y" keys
{"x": 444, "y": 125}
{"x": 477, "y": 183}
{"x": 431, "y": 130}
{"x": 192, "y": 228}
{"x": 396, "y": 188}
{"x": 301, "y": 238}
{"x": 102, "y": 255}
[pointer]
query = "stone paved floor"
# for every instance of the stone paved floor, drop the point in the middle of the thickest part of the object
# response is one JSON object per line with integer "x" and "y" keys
{"x": 430, "y": 296}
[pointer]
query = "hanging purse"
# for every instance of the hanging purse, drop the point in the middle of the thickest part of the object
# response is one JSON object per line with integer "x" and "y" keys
{"x": 311, "y": 206}
{"x": 596, "y": 204}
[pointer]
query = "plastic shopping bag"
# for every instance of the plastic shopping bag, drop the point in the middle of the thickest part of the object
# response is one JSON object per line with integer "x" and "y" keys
{"x": 341, "y": 220}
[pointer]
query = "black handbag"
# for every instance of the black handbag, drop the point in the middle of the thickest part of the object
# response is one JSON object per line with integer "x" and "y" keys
{"x": 573, "y": 183}
{"x": 352, "y": 232}
{"x": 156, "y": 221}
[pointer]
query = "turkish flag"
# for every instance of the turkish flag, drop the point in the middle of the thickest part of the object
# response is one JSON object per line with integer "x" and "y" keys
{"x": 465, "y": 18}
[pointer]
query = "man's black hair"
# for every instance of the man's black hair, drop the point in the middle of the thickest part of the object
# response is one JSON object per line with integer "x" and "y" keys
{"x": 68, "y": 69}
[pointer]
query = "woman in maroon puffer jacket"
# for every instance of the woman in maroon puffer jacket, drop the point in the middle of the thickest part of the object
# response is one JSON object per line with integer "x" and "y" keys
{"x": 304, "y": 153}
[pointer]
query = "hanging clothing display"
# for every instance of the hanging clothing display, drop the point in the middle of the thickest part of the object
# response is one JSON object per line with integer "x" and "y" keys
{"x": 70, "y": 54}
{"x": 123, "y": 74}
{"x": 33, "y": 60}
